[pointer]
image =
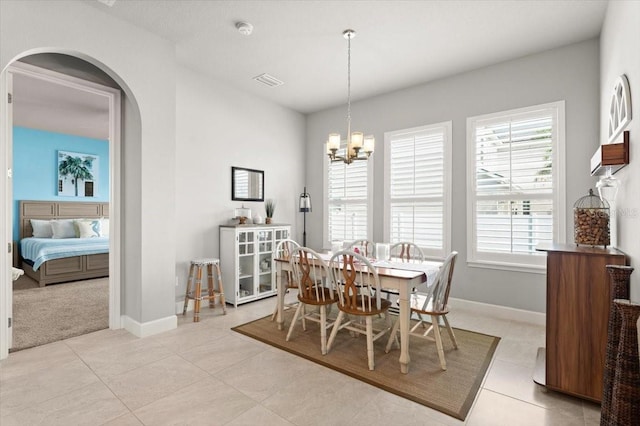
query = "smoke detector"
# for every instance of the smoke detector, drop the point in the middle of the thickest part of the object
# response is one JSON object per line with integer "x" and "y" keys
{"x": 244, "y": 28}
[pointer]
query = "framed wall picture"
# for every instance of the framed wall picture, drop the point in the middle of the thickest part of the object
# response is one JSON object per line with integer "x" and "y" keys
{"x": 77, "y": 174}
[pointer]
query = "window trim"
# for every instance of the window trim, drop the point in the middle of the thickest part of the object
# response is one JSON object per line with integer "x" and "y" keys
{"x": 447, "y": 183}
{"x": 326, "y": 244}
{"x": 518, "y": 262}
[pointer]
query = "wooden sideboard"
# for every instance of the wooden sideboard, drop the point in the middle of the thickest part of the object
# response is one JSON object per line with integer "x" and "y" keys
{"x": 578, "y": 298}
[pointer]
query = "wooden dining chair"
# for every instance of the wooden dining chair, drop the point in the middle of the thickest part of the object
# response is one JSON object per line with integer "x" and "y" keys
{"x": 311, "y": 274}
{"x": 366, "y": 246}
{"x": 357, "y": 284}
{"x": 433, "y": 303}
{"x": 283, "y": 251}
{"x": 406, "y": 252}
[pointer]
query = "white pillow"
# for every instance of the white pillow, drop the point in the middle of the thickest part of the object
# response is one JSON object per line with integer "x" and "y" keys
{"x": 87, "y": 228}
{"x": 63, "y": 228}
{"x": 41, "y": 228}
{"x": 104, "y": 227}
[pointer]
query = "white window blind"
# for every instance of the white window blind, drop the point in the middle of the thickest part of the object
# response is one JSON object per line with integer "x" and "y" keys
{"x": 418, "y": 187}
{"x": 513, "y": 189}
{"x": 347, "y": 199}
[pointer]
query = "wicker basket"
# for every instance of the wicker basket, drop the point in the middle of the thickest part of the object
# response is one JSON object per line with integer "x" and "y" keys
{"x": 591, "y": 221}
{"x": 625, "y": 398}
{"x": 620, "y": 283}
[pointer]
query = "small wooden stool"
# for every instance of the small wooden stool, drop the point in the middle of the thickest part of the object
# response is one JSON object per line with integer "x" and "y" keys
{"x": 195, "y": 274}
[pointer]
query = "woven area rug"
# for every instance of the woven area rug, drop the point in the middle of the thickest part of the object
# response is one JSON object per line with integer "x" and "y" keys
{"x": 55, "y": 312}
{"x": 451, "y": 392}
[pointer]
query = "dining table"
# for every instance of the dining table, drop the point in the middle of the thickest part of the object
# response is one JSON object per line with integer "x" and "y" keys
{"x": 402, "y": 277}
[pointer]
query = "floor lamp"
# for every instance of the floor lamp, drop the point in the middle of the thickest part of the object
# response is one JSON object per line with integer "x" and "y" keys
{"x": 305, "y": 207}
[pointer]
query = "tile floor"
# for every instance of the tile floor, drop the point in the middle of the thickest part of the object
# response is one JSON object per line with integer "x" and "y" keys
{"x": 205, "y": 374}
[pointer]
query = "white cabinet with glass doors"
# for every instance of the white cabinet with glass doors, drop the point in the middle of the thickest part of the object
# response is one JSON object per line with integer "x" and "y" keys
{"x": 245, "y": 260}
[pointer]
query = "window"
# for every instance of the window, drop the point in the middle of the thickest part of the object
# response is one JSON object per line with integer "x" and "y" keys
{"x": 348, "y": 190}
{"x": 418, "y": 187}
{"x": 515, "y": 191}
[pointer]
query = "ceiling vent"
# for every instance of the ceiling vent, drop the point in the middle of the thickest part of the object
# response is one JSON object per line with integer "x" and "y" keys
{"x": 268, "y": 80}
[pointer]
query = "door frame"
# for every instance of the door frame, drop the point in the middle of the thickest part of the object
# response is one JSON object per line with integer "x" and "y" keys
{"x": 113, "y": 97}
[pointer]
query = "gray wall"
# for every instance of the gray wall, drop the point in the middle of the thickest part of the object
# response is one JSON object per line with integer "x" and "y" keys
{"x": 620, "y": 44}
{"x": 570, "y": 73}
{"x": 218, "y": 127}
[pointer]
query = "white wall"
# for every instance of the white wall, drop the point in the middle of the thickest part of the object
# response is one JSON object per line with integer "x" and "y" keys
{"x": 570, "y": 73}
{"x": 144, "y": 65}
{"x": 219, "y": 127}
{"x": 619, "y": 47}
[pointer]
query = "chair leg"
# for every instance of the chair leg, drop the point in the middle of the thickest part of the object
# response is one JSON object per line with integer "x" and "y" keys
{"x": 450, "y": 330}
{"x": 212, "y": 295}
{"x": 389, "y": 323}
{"x": 221, "y": 290}
{"x": 370, "y": 353}
{"x": 275, "y": 312}
{"x": 334, "y": 330}
{"x": 323, "y": 329}
{"x": 392, "y": 335}
{"x": 186, "y": 297}
{"x": 196, "y": 296}
{"x": 303, "y": 318}
{"x": 436, "y": 334}
{"x": 295, "y": 319}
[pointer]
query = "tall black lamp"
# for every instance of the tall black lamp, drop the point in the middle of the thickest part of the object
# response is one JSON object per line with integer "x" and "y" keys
{"x": 305, "y": 207}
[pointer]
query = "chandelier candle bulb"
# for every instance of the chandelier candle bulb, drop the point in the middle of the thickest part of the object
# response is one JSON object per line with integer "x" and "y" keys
{"x": 334, "y": 141}
{"x": 369, "y": 142}
{"x": 356, "y": 140}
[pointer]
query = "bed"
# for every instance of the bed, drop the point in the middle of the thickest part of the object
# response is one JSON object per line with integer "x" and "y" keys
{"x": 63, "y": 261}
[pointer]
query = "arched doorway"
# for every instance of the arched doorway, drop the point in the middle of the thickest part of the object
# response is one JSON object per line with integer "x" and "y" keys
{"x": 81, "y": 72}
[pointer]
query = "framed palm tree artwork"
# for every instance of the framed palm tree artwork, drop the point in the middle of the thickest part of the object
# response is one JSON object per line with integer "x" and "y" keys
{"x": 77, "y": 174}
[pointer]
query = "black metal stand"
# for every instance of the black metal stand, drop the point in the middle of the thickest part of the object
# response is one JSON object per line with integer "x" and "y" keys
{"x": 304, "y": 229}
{"x": 305, "y": 207}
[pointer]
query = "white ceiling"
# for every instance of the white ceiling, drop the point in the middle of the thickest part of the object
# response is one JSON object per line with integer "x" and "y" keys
{"x": 40, "y": 104}
{"x": 399, "y": 44}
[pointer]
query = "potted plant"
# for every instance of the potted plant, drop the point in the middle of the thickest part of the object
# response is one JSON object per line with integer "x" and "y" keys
{"x": 269, "y": 208}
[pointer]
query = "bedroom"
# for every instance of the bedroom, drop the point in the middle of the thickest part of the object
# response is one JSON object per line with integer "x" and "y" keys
{"x": 54, "y": 122}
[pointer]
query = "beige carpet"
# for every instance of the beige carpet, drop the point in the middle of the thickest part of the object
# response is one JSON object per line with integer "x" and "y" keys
{"x": 58, "y": 311}
{"x": 451, "y": 392}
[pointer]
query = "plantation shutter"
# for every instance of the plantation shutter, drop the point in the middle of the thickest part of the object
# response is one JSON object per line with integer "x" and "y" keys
{"x": 513, "y": 190}
{"x": 347, "y": 188}
{"x": 416, "y": 188}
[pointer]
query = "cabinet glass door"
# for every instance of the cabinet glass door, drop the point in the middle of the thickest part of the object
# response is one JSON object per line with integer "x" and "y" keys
{"x": 265, "y": 249}
{"x": 246, "y": 262}
{"x": 281, "y": 234}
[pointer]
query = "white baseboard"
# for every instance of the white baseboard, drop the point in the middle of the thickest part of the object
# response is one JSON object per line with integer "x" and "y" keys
{"x": 149, "y": 328}
{"x": 502, "y": 312}
{"x": 180, "y": 306}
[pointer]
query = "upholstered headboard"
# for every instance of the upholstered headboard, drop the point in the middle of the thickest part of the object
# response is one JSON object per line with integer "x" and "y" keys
{"x": 57, "y": 210}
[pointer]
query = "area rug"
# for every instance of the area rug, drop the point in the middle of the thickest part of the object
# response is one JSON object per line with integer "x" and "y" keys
{"x": 451, "y": 392}
{"x": 59, "y": 311}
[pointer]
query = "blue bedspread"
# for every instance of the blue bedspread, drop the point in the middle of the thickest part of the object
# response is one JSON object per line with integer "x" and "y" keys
{"x": 39, "y": 250}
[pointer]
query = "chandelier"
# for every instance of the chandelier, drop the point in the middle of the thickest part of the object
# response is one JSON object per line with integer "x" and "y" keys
{"x": 356, "y": 141}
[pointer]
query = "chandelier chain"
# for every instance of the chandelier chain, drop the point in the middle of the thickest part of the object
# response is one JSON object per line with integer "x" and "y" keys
{"x": 349, "y": 87}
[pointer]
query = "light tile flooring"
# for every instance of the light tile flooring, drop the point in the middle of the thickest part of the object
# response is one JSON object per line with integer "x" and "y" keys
{"x": 205, "y": 374}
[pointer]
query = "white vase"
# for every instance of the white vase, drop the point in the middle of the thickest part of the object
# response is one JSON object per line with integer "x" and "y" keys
{"x": 257, "y": 219}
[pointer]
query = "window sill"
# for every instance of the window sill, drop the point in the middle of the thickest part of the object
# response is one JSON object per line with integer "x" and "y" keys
{"x": 528, "y": 269}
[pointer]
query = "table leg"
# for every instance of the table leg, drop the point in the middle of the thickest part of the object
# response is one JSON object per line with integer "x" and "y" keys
{"x": 282, "y": 289}
{"x": 404, "y": 318}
